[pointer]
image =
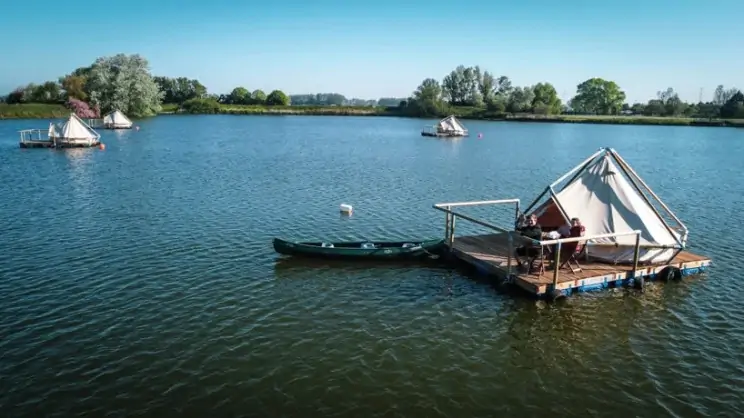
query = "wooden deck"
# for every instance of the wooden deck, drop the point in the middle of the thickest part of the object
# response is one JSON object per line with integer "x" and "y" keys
{"x": 489, "y": 253}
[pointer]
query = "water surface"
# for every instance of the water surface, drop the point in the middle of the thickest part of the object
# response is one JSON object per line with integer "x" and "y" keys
{"x": 140, "y": 280}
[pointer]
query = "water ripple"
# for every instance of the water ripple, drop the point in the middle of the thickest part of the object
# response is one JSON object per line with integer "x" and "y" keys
{"x": 140, "y": 280}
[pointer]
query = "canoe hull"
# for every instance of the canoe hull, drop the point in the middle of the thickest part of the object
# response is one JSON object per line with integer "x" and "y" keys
{"x": 382, "y": 250}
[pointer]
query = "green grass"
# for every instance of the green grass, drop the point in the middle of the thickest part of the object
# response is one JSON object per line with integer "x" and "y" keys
{"x": 290, "y": 110}
{"x": 483, "y": 114}
{"x": 47, "y": 111}
{"x": 32, "y": 111}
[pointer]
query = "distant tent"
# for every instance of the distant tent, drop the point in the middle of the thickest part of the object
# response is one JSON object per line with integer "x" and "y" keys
{"x": 452, "y": 126}
{"x": 116, "y": 120}
{"x": 608, "y": 197}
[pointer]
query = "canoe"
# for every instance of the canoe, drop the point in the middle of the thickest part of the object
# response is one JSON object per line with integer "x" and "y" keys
{"x": 376, "y": 250}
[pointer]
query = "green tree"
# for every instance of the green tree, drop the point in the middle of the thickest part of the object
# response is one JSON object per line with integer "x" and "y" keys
{"x": 654, "y": 107}
{"x": 178, "y": 90}
{"x": 123, "y": 82}
{"x": 460, "y": 87}
{"x": 239, "y": 96}
{"x": 74, "y": 86}
{"x": 277, "y": 98}
{"x": 258, "y": 97}
{"x": 426, "y": 99}
{"x": 598, "y": 96}
{"x": 487, "y": 87}
{"x": 546, "y": 99}
{"x": 734, "y": 106}
{"x": 722, "y": 95}
{"x": 670, "y": 102}
{"x": 520, "y": 100}
{"x": 201, "y": 106}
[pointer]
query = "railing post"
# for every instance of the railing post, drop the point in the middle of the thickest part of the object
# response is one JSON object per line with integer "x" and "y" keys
{"x": 510, "y": 240}
{"x": 447, "y": 216}
{"x": 452, "y": 231}
{"x": 636, "y": 256}
{"x": 557, "y": 262}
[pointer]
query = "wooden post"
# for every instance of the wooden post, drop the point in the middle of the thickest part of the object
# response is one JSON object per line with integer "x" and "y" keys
{"x": 452, "y": 231}
{"x": 557, "y": 261}
{"x": 446, "y": 225}
{"x": 509, "y": 255}
{"x": 636, "y": 256}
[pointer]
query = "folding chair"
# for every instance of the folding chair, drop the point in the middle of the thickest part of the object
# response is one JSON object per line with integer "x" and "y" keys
{"x": 571, "y": 251}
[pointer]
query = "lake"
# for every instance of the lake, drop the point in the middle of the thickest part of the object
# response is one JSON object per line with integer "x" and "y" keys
{"x": 140, "y": 280}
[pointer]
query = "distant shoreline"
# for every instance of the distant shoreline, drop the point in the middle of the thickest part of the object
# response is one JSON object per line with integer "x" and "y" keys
{"x": 52, "y": 111}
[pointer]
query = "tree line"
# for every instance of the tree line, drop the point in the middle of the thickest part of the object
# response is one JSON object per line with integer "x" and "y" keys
{"x": 124, "y": 82}
{"x": 472, "y": 87}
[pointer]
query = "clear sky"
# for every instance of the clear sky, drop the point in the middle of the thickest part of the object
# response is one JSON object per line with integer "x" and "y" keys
{"x": 385, "y": 48}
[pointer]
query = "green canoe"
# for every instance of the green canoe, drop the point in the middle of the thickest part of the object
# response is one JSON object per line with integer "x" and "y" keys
{"x": 377, "y": 250}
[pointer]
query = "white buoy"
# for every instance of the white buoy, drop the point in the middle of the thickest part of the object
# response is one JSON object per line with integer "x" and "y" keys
{"x": 346, "y": 209}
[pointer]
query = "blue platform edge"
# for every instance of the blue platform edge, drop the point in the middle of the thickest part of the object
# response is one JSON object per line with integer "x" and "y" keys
{"x": 609, "y": 282}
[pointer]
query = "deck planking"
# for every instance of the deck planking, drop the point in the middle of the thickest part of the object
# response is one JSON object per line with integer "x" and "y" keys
{"x": 491, "y": 253}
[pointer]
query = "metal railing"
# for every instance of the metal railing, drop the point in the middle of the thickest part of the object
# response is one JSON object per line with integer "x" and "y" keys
{"x": 586, "y": 240}
{"x": 28, "y": 135}
{"x": 451, "y": 216}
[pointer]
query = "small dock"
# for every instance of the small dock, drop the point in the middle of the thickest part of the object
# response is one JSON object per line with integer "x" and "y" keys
{"x": 433, "y": 131}
{"x": 493, "y": 254}
{"x": 490, "y": 254}
{"x": 599, "y": 225}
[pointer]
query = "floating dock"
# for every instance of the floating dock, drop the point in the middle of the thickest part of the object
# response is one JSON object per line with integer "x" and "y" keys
{"x": 448, "y": 127}
{"x": 74, "y": 133}
{"x": 490, "y": 254}
{"x": 628, "y": 235}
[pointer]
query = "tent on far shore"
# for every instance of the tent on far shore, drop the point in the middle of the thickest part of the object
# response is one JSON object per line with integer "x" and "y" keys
{"x": 116, "y": 120}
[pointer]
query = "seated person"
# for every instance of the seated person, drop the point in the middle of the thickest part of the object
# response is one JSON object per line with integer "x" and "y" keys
{"x": 577, "y": 229}
{"x": 530, "y": 229}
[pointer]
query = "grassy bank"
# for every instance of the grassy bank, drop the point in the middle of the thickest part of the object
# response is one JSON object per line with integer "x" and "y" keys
{"x": 48, "y": 111}
{"x": 32, "y": 111}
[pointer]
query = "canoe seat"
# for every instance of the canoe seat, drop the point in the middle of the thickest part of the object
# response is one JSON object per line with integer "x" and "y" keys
{"x": 326, "y": 245}
{"x": 368, "y": 245}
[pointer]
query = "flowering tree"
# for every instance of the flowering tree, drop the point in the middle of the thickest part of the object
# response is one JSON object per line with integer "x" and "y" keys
{"x": 123, "y": 82}
{"x": 82, "y": 109}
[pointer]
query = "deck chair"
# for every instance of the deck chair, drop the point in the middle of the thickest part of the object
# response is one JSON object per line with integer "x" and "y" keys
{"x": 572, "y": 251}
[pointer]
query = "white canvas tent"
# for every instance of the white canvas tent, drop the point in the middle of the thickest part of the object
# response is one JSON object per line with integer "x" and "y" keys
{"x": 451, "y": 125}
{"x": 609, "y": 197}
{"x": 116, "y": 120}
{"x": 74, "y": 132}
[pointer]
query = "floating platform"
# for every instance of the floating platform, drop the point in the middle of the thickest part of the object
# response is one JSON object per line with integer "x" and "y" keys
{"x": 612, "y": 214}
{"x": 441, "y": 135}
{"x": 52, "y": 144}
{"x": 490, "y": 254}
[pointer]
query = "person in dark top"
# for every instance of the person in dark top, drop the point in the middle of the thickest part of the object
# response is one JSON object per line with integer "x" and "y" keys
{"x": 530, "y": 228}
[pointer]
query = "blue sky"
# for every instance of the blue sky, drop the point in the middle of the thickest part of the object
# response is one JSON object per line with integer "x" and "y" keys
{"x": 385, "y": 48}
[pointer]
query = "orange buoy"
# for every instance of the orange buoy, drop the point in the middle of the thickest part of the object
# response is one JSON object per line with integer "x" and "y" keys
{"x": 102, "y": 146}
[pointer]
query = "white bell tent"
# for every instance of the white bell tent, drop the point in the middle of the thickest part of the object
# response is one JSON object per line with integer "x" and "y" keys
{"x": 74, "y": 131}
{"x": 609, "y": 197}
{"x": 451, "y": 125}
{"x": 116, "y": 120}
